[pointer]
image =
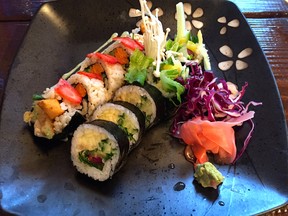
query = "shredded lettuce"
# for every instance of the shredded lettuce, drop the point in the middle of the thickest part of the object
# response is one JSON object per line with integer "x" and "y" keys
{"x": 172, "y": 45}
{"x": 169, "y": 84}
{"x": 137, "y": 71}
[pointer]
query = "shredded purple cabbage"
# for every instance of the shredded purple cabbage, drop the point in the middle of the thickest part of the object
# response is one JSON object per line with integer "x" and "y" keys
{"x": 211, "y": 99}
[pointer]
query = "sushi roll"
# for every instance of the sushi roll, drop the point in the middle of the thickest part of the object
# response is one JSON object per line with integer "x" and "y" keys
{"x": 56, "y": 112}
{"x": 107, "y": 68}
{"x": 147, "y": 98}
{"x": 92, "y": 91}
{"x": 78, "y": 96}
{"x": 99, "y": 149}
{"x": 127, "y": 116}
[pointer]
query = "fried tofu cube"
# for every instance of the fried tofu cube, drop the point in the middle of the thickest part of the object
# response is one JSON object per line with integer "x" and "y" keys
{"x": 51, "y": 107}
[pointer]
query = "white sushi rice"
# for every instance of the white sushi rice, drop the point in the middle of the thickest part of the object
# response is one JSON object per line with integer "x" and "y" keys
{"x": 87, "y": 137}
{"x": 111, "y": 112}
{"x": 134, "y": 95}
{"x": 60, "y": 122}
{"x": 115, "y": 74}
{"x": 116, "y": 77}
{"x": 96, "y": 92}
{"x": 63, "y": 120}
{"x": 50, "y": 93}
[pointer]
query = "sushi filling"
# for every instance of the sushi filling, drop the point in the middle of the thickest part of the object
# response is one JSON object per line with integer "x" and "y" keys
{"x": 49, "y": 116}
{"x": 97, "y": 70}
{"x": 106, "y": 68}
{"x": 95, "y": 151}
{"x": 122, "y": 56}
{"x": 141, "y": 99}
{"x": 123, "y": 118}
{"x": 98, "y": 156}
{"x": 122, "y": 123}
{"x": 145, "y": 104}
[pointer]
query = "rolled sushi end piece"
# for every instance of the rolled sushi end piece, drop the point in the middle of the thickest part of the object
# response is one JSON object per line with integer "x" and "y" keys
{"x": 147, "y": 98}
{"x": 57, "y": 128}
{"x": 125, "y": 115}
{"x": 99, "y": 149}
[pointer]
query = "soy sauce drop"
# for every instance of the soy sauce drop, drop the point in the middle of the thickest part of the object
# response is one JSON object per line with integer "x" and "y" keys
{"x": 171, "y": 166}
{"x": 179, "y": 186}
{"x": 221, "y": 203}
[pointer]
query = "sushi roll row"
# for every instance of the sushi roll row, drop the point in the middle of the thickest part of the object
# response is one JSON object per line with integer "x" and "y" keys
{"x": 61, "y": 108}
{"x": 96, "y": 148}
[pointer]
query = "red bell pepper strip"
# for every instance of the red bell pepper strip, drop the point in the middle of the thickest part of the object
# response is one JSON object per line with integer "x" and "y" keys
{"x": 67, "y": 92}
{"x": 130, "y": 43}
{"x": 106, "y": 58}
{"x": 90, "y": 75}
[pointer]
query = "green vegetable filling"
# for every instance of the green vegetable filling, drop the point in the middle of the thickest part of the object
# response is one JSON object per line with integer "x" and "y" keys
{"x": 130, "y": 134}
{"x": 98, "y": 156}
{"x": 142, "y": 106}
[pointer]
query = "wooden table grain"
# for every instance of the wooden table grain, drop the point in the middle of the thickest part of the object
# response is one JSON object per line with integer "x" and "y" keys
{"x": 268, "y": 21}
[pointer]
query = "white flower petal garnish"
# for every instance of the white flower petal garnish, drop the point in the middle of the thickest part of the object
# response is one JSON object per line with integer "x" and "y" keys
{"x": 226, "y": 50}
{"x": 160, "y": 12}
{"x": 234, "y": 23}
{"x": 176, "y": 16}
{"x": 223, "y": 30}
{"x": 187, "y": 8}
{"x": 225, "y": 65}
{"x": 244, "y": 53}
{"x": 222, "y": 19}
{"x": 198, "y": 24}
{"x": 134, "y": 12}
{"x": 241, "y": 65}
{"x": 149, "y": 4}
{"x": 188, "y": 25}
{"x": 198, "y": 13}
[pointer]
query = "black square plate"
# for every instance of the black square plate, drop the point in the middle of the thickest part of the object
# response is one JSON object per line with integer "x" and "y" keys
{"x": 36, "y": 179}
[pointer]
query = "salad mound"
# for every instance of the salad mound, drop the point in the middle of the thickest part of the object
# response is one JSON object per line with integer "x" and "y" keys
{"x": 209, "y": 108}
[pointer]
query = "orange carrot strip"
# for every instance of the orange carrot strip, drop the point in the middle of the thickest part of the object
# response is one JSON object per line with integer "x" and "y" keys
{"x": 81, "y": 90}
{"x": 97, "y": 68}
{"x": 121, "y": 55}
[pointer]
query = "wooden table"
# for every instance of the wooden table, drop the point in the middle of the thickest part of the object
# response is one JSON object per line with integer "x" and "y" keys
{"x": 268, "y": 20}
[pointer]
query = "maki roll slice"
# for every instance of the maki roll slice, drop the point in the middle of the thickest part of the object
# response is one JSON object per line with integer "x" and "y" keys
{"x": 122, "y": 48}
{"x": 107, "y": 68}
{"x": 147, "y": 98}
{"x": 91, "y": 89}
{"x": 127, "y": 116}
{"x": 56, "y": 112}
{"x": 99, "y": 149}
